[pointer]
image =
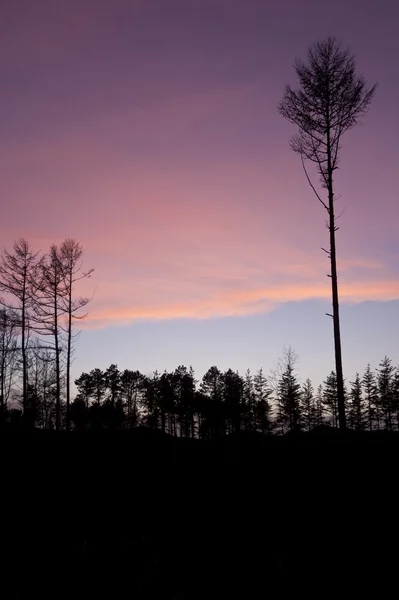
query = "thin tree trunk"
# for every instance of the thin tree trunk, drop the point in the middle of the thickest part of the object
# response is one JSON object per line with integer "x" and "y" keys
{"x": 68, "y": 357}
{"x": 57, "y": 364}
{"x": 334, "y": 283}
{"x": 24, "y": 360}
{"x": 3, "y": 371}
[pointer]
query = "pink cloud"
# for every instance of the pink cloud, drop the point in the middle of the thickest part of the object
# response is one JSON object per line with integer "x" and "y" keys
{"x": 233, "y": 303}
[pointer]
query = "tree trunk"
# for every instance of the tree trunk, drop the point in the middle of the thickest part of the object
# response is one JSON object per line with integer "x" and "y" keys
{"x": 57, "y": 367}
{"x": 24, "y": 360}
{"x": 3, "y": 372}
{"x": 334, "y": 284}
{"x": 68, "y": 357}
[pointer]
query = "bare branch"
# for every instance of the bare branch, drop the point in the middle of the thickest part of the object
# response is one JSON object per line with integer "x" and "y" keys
{"x": 312, "y": 186}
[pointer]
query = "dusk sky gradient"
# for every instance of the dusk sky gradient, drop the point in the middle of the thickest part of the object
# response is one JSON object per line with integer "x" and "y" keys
{"x": 148, "y": 131}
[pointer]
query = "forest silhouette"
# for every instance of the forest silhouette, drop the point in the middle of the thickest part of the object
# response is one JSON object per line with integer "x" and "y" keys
{"x": 162, "y": 485}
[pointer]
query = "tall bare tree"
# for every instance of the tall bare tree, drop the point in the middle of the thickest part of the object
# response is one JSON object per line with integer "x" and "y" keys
{"x": 329, "y": 102}
{"x": 71, "y": 253}
{"x": 19, "y": 273}
{"x": 8, "y": 356}
{"x": 52, "y": 290}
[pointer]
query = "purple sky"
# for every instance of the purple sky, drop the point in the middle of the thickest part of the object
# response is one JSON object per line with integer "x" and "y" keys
{"x": 148, "y": 131}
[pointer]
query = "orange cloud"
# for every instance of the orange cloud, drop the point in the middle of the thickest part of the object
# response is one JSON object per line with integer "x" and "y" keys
{"x": 237, "y": 302}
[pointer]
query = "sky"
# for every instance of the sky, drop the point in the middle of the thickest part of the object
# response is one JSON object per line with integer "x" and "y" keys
{"x": 148, "y": 131}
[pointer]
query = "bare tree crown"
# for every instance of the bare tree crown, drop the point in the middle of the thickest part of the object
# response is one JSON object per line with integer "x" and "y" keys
{"x": 330, "y": 101}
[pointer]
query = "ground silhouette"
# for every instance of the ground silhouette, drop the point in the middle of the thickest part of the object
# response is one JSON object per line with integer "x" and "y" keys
{"x": 140, "y": 514}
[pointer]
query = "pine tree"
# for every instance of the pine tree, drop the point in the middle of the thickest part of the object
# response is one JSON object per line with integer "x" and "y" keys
{"x": 232, "y": 396}
{"x": 371, "y": 398}
{"x": 308, "y": 405}
{"x": 289, "y": 397}
{"x": 248, "y": 402}
{"x": 167, "y": 399}
{"x": 185, "y": 392}
{"x": 385, "y": 391}
{"x": 99, "y": 385}
{"x": 319, "y": 413}
{"x": 395, "y": 395}
{"x": 112, "y": 379}
{"x": 85, "y": 386}
{"x": 132, "y": 386}
{"x": 212, "y": 390}
{"x": 330, "y": 398}
{"x": 151, "y": 402}
{"x": 262, "y": 408}
{"x": 357, "y": 413}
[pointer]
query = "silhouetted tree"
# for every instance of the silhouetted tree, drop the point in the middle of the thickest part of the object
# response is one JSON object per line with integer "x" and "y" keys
{"x": 212, "y": 388}
{"x": 167, "y": 399}
{"x": 112, "y": 379}
{"x": 201, "y": 405}
{"x": 86, "y": 387}
{"x": 319, "y": 412}
{"x": 385, "y": 376}
{"x": 248, "y": 402}
{"x": 49, "y": 310}
{"x": 151, "y": 400}
{"x": 289, "y": 413}
{"x": 308, "y": 405}
{"x": 329, "y": 102}
{"x": 371, "y": 398}
{"x": 185, "y": 399}
{"x": 132, "y": 389}
{"x": 357, "y": 412}
{"x": 395, "y": 395}
{"x": 19, "y": 273}
{"x": 8, "y": 357}
{"x": 330, "y": 398}
{"x": 99, "y": 385}
{"x": 232, "y": 396}
{"x": 262, "y": 408}
{"x": 71, "y": 253}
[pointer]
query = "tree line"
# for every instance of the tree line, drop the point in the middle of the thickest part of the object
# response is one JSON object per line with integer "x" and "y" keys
{"x": 39, "y": 306}
{"x": 227, "y": 402}
{"x": 219, "y": 403}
